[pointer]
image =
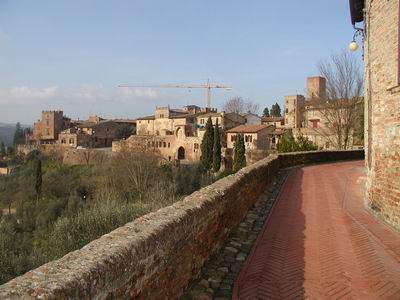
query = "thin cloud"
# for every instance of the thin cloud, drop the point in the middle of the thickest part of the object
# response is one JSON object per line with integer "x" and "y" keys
{"x": 26, "y": 95}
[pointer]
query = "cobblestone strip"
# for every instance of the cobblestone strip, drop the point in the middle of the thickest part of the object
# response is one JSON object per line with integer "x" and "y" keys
{"x": 219, "y": 274}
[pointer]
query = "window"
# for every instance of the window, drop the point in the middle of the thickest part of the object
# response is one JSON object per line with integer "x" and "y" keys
{"x": 152, "y": 143}
{"x": 314, "y": 123}
{"x": 233, "y": 138}
{"x": 165, "y": 145}
{"x": 202, "y": 121}
{"x": 148, "y": 121}
{"x": 161, "y": 115}
{"x": 248, "y": 138}
{"x": 287, "y": 110}
{"x": 107, "y": 129}
{"x": 169, "y": 145}
{"x": 71, "y": 141}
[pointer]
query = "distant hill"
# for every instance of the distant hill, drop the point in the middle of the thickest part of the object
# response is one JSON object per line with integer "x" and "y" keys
{"x": 7, "y": 133}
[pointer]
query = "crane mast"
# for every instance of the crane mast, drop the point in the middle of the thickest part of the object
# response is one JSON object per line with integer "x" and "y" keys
{"x": 207, "y": 86}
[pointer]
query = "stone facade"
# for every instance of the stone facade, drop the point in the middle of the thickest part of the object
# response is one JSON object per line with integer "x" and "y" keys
{"x": 311, "y": 118}
{"x": 382, "y": 108}
{"x": 316, "y": 87}
{"x": 168, "y": 147}
{"x": 96, "y": 132}
{"x": 278, "y": 122}
{"x": 157, "y": 255}
{"x": 256, "y": 137}
{"x": 252, "y": 119}
{"x": 47, "y": 129}
{"x": 176, "y": 134}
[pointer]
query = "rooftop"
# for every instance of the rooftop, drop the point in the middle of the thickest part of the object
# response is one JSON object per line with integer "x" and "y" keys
{"x": 248, "y": 128}
{"x": 272, "y": 119}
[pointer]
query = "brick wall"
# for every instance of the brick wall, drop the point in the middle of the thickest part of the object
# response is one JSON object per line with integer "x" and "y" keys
{"x": 157, "y": 255}
{"x": 382, "y": 109}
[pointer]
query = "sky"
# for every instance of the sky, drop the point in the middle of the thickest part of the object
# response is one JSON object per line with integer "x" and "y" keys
{"x": 71, "y": 55}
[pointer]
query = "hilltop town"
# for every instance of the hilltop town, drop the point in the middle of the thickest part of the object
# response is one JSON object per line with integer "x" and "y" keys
{"x": 267, "y": 193}
{"x": 175, "y": 134}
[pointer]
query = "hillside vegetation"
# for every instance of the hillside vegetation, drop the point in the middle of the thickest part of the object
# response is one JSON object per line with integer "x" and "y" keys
{"x": 61, "y": 208}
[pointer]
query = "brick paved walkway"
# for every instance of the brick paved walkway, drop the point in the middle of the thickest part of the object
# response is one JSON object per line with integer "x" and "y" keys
{"x": 320, "y": 243}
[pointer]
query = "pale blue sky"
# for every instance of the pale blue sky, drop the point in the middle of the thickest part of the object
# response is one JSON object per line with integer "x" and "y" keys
{"x": 71, "y": 55}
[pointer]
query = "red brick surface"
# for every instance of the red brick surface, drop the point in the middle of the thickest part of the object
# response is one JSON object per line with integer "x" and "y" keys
{"x": 320, "y": 242}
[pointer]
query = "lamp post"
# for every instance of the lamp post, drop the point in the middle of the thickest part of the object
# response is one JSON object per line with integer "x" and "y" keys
{"x": 353, "y": 46}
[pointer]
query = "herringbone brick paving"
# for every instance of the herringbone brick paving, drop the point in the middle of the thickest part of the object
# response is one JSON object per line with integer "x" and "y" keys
{"x": 321, "y": 243}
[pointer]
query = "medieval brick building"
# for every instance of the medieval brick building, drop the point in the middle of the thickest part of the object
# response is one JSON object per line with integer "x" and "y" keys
{"x": 311, "y": 117}
{"x": 382, "y": 103}
{"x": 176, "y": 134}
{"x": 47, "y": 129}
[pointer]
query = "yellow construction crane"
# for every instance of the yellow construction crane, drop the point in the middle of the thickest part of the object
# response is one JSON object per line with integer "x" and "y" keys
{"x": 208, "y": 86}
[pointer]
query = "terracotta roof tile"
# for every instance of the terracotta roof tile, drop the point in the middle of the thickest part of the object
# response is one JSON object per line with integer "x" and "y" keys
{"x": 248, "y": 128}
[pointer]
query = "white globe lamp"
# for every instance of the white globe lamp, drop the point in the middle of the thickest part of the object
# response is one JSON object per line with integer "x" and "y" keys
{"x": 353, "y": 46}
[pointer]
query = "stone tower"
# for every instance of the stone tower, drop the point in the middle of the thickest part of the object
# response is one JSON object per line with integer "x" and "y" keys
{"x": 316, "y": 88}
{"x": 293, "y": 109}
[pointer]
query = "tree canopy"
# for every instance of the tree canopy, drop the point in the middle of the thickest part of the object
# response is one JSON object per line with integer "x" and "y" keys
{"x": 19, "y": 135}
{"x": 266, "y": 112}
{"x": 239, "y": 156}
{"x": 275, "y": 110}
{"x": 207, "y": 145}
{"x": 240, "y": 106}
{"x": 123, "y": 131}
{"x": 2, "y": 149}
{"x": 343, "y": 106}
{"x": 289, "y": 144}
{"x": 216, "y": 149}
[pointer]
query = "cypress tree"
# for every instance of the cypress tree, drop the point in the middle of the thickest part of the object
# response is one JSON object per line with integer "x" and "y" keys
{"x": 18, "y": 135}
{"x": 239, "y": 158}
{"x": 2, "y": 149}
{"x": 266, "y": 112}
{"x": 275, "y": 110}
{"x": 207, "y": 146}
{"x": 216, "y": 149}
{"x": 38, "y": 178}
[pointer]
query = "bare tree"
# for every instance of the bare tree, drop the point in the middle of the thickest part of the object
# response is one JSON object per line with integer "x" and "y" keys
{"x": 132, "y": 173}
{"x": 239, "y": 105}
{"x": 87, "y": 154}
{"x": 342, "y": 106}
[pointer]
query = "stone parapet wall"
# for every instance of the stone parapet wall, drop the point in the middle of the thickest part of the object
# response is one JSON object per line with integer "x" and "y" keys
{"x": 157, "y": 255}
{"x": 302, "y": 158}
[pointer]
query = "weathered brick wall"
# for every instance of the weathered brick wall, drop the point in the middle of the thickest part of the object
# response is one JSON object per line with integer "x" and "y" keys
{"x": 157, "y": 255}
{"x": 382, "y": 109}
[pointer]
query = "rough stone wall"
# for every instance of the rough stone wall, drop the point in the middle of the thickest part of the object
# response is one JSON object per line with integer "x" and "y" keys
{"x": 157, "y": 255}
{"x": 382, "y": 109}
{"x": 293, "y": 107}
{"x": 316, "y": 87}
{"x": 167, "y": 146}
{"x": 71, "y": 156}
